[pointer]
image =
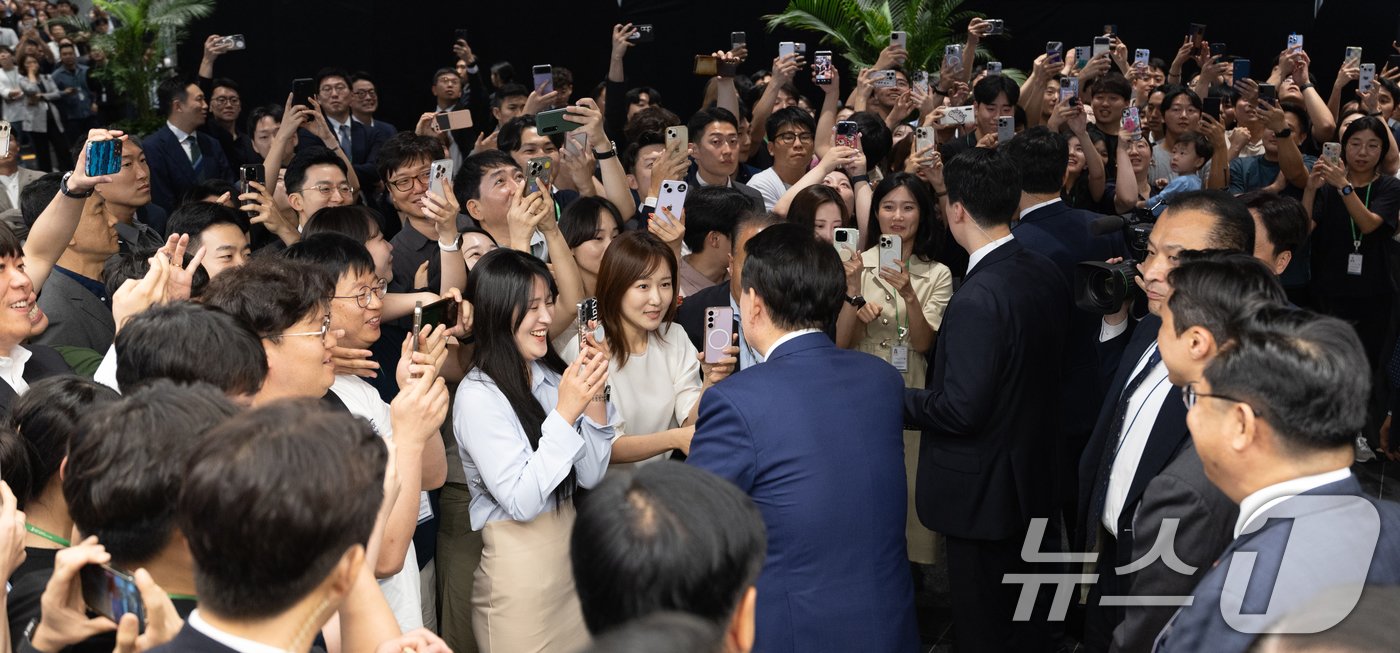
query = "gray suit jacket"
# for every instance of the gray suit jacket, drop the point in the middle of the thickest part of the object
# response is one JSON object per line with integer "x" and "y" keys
{"x": 9, "y": 214}
{"x": 77, "y": 318}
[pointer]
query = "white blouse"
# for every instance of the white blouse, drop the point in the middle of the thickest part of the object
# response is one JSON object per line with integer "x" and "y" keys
{"x": 656, "y": 389}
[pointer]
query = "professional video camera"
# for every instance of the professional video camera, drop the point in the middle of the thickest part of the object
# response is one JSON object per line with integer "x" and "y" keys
{"x": 1101, "y": 287}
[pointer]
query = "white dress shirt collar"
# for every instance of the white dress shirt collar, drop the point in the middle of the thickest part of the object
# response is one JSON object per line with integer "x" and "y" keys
{"x": 786, "y": 337}
{"x": 12, "y": 369}
{"x": 539, "y": 376}
{"x": 1261, "y": 500}
{"x": 1037, "y": 207}
{"x": 180, "y": 135}
{"x": 232, "y": 641}
{"x": 335, "y": 126}
{"x": 982, "y": 252}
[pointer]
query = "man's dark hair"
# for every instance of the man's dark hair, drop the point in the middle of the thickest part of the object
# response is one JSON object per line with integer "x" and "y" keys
{"x": 579, "y": 220}
{"x": 636, "y": 550}
{"x": 502, "y": 93}
{"x": 127, "y": 462}
{"x": 440, "y": 72}
{"x": 273, "y": 111}
{"x": 1301, "y": 113}
{"x": 404, "y": 149}
{"x": 673, "y": 632}
{"x": 273, "y": 499}
{"x": 1303, "y": 373}
{"x": 789, "y": 116}
{"x": 799, "y": 278}
{"x": 1171, "y": 91}
{"x": 195, "y": 217}
{"x": 1211, "y": 288}
{"x": 651, "y": 119}
{"x": 1234, "y": 226}
{"x": 706, "y": 117}
{"x": 224, "y": 82}
{"x": 207, "y": 188}
{"x": 876, "y": 139}
{"x": 562, "y": 76}
{"x": 1115, "y": 84}
{"x": 505, "y": 71}
{"x": 270, "y": 294}
{"x": 630, "y": 155}
{"x": 172, "y": 90}
{"x": 360, "y": 223}
{"x": 188, "y": 342}
{"x": 336, "y": 254}
{"x": 988, "y": 88}
{"x": 324, "y": 73}
{"x": 1283, "y": 217}
{"x": 712, "y": 208}
{"x": 1199, "y": 143}
{"x": 467, "y": 183}
{"x": 36, "y": 195}
{"x": 361, "y": 76}
{"x": 987, "y": 184}
{"x": 316, "y": 155}
{"x": 46, "y": 419}
{"x": 509, "y": 137}
{"x": 634, "y": 95}
{"x": 1042, "y": 156}
{"x": 751, "y": 220}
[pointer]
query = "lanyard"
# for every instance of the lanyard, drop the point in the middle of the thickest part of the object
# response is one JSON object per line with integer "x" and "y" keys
{"x": 47, "y": 535}
{"x": 1355, "y": 235}
{"x": 901, "y": 321}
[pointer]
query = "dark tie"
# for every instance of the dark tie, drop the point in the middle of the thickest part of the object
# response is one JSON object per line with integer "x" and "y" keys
{"x": 195, "y": 154}
{"x": 345, "y": 139}
{"x": 1110, "y": 448}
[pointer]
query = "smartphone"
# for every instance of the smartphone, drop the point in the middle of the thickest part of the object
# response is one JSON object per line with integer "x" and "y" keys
{"x": 953, "y": 55}
{"x": 956, "y": 116}
{"x": 1082, "y": 55}
{"x": 459, "y": 34}
{"x": 1069, "y": 90}
{"x": 1131, "y": 123}
{"x": 4, "y": 138}
{"x": 303, "y": 89}
{"x": 1140, "y": 58}
{"x": 544, "y": 78}
{"x": 575, "y": 143}
{"x": 1353, "y": 55}
{"x": 250, "y": 172}
{"x": 1332, "y": 152}
{"x": 786, "y": 48}
{"x": 1211, "y": 106}
{"x": 678, "y": 139}
{"x": 737, "y": 39}
{"x": 995, "y": 26}
{"x": 847, "y": 133}
{"x": 538, "y": 173}
{"x": 847, "y": 242}
{"x": 438, "y": 171}
{"x": 1218, "y": 49}
{"x": 706, "y": 65}
{"x": 549, "y": 123}
{"x": 1241, "y": 71}
{"x": 1295, "y": 41}
{"x": 822, "y": 68}
{"x": 440, "y": 312}
{"x": 1006, "y": 129}
{"x": 1367, "y": 78}
{"x": 921, "y": 81}
{"x": 886, "y": 79}
{"x": 1055, "y": 51}
{"x": 1197, "y": 32}
{"x": 587, "y": 312}
{"x": 993, "y": 68}
{"x": 719, "y": 332}
{"x": 671, "y": 198}
{"x": 1268, "y": 93}
{"x": 891, "y": 248}
{"x": 799, "y": 48}
{"x": 644, "y": 34}
{"x": 924, "y": 138}
{"x": 111, "y": 593}
{"x": 899, "y": 39}
{"x": 234, "y": 42}
{"x": 103, "y": 158}
{"x": 450, "y": 120}
{"x": 1101, "y": 46}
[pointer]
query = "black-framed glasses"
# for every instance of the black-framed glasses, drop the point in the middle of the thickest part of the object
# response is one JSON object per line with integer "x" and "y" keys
{"x": 406, "y": 184}
{"x": 365, "y": 92}
{"x": 362, "y": 296}
{"x": 787, "y": 138}
{"x": 1189, "y": 396}
{"x": 321, "y": 333}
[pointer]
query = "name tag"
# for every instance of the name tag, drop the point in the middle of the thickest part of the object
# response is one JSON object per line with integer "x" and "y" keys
{"x": 1354, "y": 264}
{"x": 899, "y": 357}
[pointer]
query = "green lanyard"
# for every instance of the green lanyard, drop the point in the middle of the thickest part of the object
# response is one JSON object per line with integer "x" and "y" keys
{"x": 901, "y": 325}
{"x": 182, "y": 597}
{"x": 1355, "y": 235}
{"x": 47, "y": 535}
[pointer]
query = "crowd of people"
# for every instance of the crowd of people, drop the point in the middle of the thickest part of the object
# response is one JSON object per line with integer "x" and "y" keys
{"x": 558, "y": 374}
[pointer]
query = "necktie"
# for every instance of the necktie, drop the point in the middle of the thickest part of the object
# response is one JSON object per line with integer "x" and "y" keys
{"x": 195, "y": 154}
{"x": 1110, "y": 449}
{"x": 345, "y": 139}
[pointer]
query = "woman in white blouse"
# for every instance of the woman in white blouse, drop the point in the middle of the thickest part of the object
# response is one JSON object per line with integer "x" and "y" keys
{"x": 655, "y": 369}
{"x": 41, "y": 123}
{"x": 531, "y": 431}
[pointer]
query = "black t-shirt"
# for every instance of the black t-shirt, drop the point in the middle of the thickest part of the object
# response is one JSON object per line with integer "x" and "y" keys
{"x": 27, "y": 586}
{"x": 1332, "y": 240}
{"x": 1110, "y": 143}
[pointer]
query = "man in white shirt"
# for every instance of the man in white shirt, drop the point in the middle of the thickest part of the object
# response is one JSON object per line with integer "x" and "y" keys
{"x": 16, "y": 108}
{"x": 790, "y": 136}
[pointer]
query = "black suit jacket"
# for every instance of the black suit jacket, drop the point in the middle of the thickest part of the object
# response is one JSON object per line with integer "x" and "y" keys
{"x": 189, "y": 640}
{"x": 364, "y": 149}
{"x": 171, "y": 171}
{"x": 982, "y": 472}
{"x": 42, "y": 364}
{"x": 691, "y": 314}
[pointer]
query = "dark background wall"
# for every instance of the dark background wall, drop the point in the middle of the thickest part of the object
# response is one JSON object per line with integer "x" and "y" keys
{"x": 401, "y": 43}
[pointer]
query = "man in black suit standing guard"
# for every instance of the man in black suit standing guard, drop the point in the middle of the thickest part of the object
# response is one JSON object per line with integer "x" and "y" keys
{"x": 982, "y": 469}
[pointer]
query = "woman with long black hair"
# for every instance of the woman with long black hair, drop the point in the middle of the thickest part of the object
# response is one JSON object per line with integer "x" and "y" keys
{"x": 530, "y": 431}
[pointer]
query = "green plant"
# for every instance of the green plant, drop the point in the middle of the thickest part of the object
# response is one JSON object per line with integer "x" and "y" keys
{"x": 860, "y": 29}
{"x": 146, "y": 31}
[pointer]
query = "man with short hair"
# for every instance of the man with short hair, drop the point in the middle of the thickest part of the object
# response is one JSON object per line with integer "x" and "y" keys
{"x": 1282, "y": 167}
{"x": 74, "y": 298}
{"x": 634, "y": 552}
{"x": 220, "y": 230}
{"x": 639, "y": 159}
{"x": 1181, "y": 115}
{"x": 364, "y": 101}
{"x": 485, "y": 186}
{"x": 1281, "y": 227}
{"x": 1273, "y": 417}
{"x": 691, "y": 315}
{"x": 178, "y": 154}
{"x": 993, "y": 96}
{"x": 983, "y": 475}
{"x": 710, "y": 215}
{"x": 316, "y": 178}
{"x": 127, "y": 201}
{"x": 16, "y": 108}
{"x": 508, "y": 102}
{"x": 815, "y": 593}
{"x": 404, "y": 165}
{"x": 333, "y": 94}
{"x": 225, "y": 106}
{"x": 714, "y": 146}
{"x": 1111, "y": 93}
{"x": 447, "y": 91}
{"x": 790, "y": 137}
{"x": 520, "y": 138}
{"x": 175, "y": 341}
{"x": 77, "y": 106}
{"x": 13, "y": 180}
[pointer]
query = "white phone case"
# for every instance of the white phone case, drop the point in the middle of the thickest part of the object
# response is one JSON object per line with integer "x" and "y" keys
{"x": 891, "y": 246}
{"x": 672, "y": 198}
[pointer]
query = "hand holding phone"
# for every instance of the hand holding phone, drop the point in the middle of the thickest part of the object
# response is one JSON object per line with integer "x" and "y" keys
{"x": 538, "y": 174}
{"x": 891, "y": 251}
{"x": 847, "y": 133}
{"x": 544, "y": 78}
{"x": 437, "y": 172}
{"x": 111, "y": 593}
{"x": 719, "y": 332}
{"x": 303, "y": 89}
{"x": 671, "y": 198}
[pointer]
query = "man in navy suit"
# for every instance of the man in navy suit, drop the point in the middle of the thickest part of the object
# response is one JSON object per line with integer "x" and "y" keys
{"x": 179, "y": 154}
{"x": 989, "y": 401}
{"x": 356, "y": 139}
{"x": 1273, "y": 418}
{"x": 813, "y": 435}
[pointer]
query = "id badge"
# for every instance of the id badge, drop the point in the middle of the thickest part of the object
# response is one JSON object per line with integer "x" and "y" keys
{"x": 1354, "y": 264}
{"x": 899, "y": 357}
{"x": 425, "y": 509}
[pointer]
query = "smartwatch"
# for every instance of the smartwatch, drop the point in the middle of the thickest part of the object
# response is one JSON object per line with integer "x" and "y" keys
{"x": 855, "y": 301}
{"x": 63, "y": 188}
{"x": 1347, "y": 190}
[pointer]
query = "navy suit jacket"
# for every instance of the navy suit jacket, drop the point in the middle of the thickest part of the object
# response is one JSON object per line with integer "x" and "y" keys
{"x": 1324, "y": 549}
{"x": 171, "y": 171}
{"x": 364, "y": 148}
{"x": 822, "y": 456}
{"x": 986, "y": 415}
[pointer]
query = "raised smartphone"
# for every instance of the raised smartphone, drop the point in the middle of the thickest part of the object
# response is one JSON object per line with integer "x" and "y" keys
{"x": 111, "y": 593}
{"x": 953, "y": 56}
{"x": 678, "y": 139}
{"x": 1006, "y": 129}
{"x": 438, "y": 171}
{"x": 1069, "y": 90}
{"x": 719, "y": 332}
{"x": 737, "y": 39}
{"x": 549, "y": 123}
{"x": 899, "y": 39}
{"x": 544, "y": 78}
{"x": 1055, "y": 51}
{"x": 993, "y": 68}
{"x": 891, "y": 250}
{"x": 303, "y": 89}
{"x": 1367, "y": 78}
{"x": 587, "y": 312}
{"x": 847, "y": 242}
{"x": 1295, "y": 41}
{"x": 450, "y": 120}
{"x": 1131, "y": 123}
{"x": 822, "y": 68}
{"x": 644, "y": 34}
{"x": 924, "y": 139}
{"x": 671, "y": 198}
{"x": 1101, "y": 46}
{"x": 1332, "y": 152}
{"x": 847, "y": 133}
{"x": 538, "y": 173}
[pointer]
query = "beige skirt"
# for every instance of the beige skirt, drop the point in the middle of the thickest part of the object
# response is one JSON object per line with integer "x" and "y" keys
{"x": 524, "y": 599}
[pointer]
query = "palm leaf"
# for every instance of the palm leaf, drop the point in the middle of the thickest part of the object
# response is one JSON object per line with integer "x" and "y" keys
{"x": 860, "y": 28}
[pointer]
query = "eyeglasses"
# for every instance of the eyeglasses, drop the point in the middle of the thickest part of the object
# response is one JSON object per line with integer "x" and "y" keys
{"x": 788, "y": 137}
{"x": 229, "y": 100}
{"x": 405, "y": 184}
{"x": 366, "y": 92}
{"x": 362, "y": 297}
{"x": 336, "y": 88}
{"x": 326, "y": 188}
{"x": 325, "y": 328}
{"x": 1189, "y": 396}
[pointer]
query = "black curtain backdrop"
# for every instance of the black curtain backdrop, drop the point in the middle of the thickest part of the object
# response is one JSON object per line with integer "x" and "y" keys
{"x": 402, "y": 43}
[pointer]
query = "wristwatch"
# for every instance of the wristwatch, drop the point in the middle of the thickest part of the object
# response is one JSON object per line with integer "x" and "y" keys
{"x": 1284, "y": 133}
{"x": 63, "y": 188}
{"x": 855, "y": 301}
{"x": 1347, "y": 190}
{"x": 859, "y": 178}
{"x": 603, "y": 156}
{"x": 456, "y": 245}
